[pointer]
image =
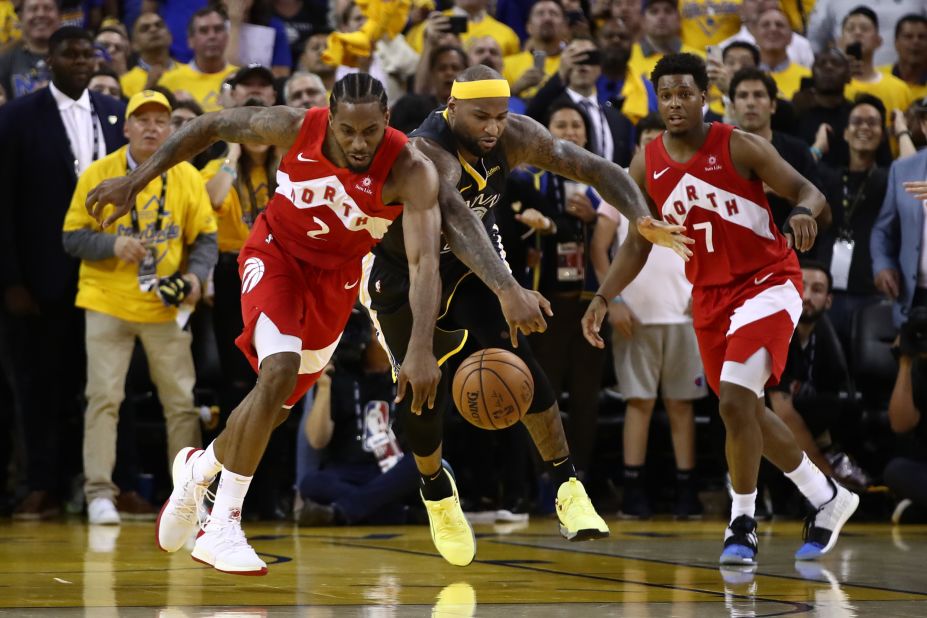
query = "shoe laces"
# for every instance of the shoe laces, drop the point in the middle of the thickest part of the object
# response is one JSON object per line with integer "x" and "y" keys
{"x": 228, "y": 530}
{"x": 449, "y": 519}
{"x": 193, "y": 510}
{"x": 577, "y": 504}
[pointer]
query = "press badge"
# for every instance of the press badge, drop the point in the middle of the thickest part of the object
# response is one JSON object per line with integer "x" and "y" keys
{"x": 148, "y": 271}
{"x": 840, "y": 262}
{"x": 570, "y": 265}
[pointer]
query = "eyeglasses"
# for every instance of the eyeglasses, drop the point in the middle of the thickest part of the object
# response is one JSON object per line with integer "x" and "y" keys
{"x": 872, "y": 123}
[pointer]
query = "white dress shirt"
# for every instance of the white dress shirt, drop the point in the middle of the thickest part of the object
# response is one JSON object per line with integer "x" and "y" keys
{"x": 80, "y": 127}
{"x": 602, "y": 133}
{"x": 799, "y": 50}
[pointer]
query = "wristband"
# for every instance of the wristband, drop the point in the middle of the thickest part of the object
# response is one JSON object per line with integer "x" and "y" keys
{"x": 618, "y": 300}
{"x": 229, "y": 170}
{"x": 901, "y": 133}
{"x": 604, "y": 300}
{"x": 798, "y": 210}
{"x": 816, "y": 153}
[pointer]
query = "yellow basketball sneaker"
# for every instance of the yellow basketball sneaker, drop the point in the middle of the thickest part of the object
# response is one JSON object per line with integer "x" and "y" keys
{"x": 578, "y": 519}
{"x": 450, "y": 530}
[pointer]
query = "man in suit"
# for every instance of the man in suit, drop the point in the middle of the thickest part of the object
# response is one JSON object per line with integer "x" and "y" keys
{"x": 899, "y": 255}
{"x": 612, "y": 135}
{"x": 49, "y": 137}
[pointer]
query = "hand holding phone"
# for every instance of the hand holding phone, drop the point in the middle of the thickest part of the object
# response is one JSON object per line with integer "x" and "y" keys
{"x": 458, "y": 24}
{"x": 540, "y": 57}
{"x": 855, "y": 50}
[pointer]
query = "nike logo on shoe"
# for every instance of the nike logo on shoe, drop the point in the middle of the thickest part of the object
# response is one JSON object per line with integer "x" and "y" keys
{"x": 758, "y": 280}
{"x": 656, "y": 175}
{"x": 300, "y": 157}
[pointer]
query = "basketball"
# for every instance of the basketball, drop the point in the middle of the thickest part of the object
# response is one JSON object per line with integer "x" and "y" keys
{"x": 493, "y": 389}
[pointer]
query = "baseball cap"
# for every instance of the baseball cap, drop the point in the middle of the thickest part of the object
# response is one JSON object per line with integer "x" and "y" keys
{"x": 143, "y": 98}
{"x": 252, "y": 69}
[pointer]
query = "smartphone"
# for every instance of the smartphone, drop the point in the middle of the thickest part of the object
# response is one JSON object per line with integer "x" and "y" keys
{"x": 855, "y": 50}
{"x": 458, "y": 24}
{"x": 807, "y": 83}
{"x": 593, "y": 56}
{"x": 714, "y": 53}
{"x": 540, "y": 58}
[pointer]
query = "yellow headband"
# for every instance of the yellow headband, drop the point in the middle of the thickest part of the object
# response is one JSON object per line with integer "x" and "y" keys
{"x": 482, "y": 89}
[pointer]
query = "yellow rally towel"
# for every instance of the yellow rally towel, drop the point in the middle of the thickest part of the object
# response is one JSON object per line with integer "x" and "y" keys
{"x": 384, "y": 18}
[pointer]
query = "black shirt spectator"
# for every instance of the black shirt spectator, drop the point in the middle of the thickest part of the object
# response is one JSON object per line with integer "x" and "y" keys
{"x": 361, "y": 407}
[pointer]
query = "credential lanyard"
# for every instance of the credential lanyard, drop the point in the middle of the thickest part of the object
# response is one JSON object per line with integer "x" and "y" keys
{"x": 95, "y": 154}
{"x": 159, "y": 222}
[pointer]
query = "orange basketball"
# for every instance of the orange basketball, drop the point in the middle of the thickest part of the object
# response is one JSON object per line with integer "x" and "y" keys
{"x": 493, "y": 389}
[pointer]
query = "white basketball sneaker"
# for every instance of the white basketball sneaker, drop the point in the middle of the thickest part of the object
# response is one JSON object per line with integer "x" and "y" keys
{"x": 180, "y": 515}
{"x": 222, "y": 545}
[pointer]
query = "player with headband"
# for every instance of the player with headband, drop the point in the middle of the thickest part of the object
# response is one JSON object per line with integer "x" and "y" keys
{"x": 474, "y": 142}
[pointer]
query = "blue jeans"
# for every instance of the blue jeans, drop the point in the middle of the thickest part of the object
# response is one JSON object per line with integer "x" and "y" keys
{"x": 361, "y": 492}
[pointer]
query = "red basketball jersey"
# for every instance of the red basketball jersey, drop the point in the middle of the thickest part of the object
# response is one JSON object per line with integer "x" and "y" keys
{"x": 325, "y": 215}
{"x": 726, "y": 214}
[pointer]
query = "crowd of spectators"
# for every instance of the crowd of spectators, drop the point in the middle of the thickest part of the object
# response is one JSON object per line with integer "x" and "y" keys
{"x": 100, "y": 326}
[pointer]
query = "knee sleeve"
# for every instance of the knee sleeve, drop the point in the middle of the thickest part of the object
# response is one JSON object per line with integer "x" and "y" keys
{"x": 424, "y": 432}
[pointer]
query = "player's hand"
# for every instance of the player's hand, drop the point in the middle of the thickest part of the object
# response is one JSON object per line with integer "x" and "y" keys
{"x": 804, "y": 229}
{"x": 917, "y": 188}
{"x": 592, "y": 321}
{"x": 888, "y": 281}
{"x": 420, "y": 371}
{"x": 129, "y": 249}
{"x": 622, "y": 319}
{"x": 665, "y": 235}
{"x": 524, "y": 311}
{"x": 119, "y": 191}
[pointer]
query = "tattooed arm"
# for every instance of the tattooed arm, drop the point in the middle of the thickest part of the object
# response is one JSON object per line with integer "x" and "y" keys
{"x": 469, "y": 241}
{"x": 275, "y": 126}
{"x": 526, "y": 141}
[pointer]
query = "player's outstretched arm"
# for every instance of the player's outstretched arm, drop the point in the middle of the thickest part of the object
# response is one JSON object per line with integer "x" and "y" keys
{"x": 275, "y": 126}
{"x": 628, "y": 262}
{"x": 526, "y": 141}
{"x": 421, "y": 226}
{"x": 762, "y": 159}
{"x": 523, "y": 309}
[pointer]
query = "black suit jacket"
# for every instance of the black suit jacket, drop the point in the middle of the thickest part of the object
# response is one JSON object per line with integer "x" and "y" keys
{"x": 37, "y": 180}
{"x": 554, "y": 91}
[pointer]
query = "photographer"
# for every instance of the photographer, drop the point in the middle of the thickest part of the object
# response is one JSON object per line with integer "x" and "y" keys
{"x": 364, "y": 476}
{"x": 906, "y": 475}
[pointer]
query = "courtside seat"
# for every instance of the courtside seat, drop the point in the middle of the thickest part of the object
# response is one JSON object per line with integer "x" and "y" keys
{"x": 874, "y": 367}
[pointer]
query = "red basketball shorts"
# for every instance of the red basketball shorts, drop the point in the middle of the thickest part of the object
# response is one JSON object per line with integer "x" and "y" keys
{"x": 290, "y": 306}
{"x": 733, "y": 323}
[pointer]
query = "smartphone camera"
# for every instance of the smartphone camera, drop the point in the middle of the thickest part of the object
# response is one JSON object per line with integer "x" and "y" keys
{"x": 458, "y": 24}
{"x": 855, "y": 50}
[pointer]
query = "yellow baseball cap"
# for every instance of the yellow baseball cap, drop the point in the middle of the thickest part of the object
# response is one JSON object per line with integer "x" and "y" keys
{"x": 145, "y": 97}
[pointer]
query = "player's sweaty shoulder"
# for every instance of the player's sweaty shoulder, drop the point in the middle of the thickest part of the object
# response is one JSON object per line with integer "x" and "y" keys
{"x": 412, "y": 173}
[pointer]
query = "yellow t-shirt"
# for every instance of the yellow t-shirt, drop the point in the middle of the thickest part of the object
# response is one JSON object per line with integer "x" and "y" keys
{"x": 513, "y": 67}
{"x": 488, "y": 26}
{"x": 10, "y": 28}
{"x": 110, "y": 286}
{"x": 644, "y": 65}
{"x": 134, "y": 80}
{"x": 204, "y": 87}
{"x": 233, "y": 230}
{"x": 636, "y": 103}
{"x": 789, "y": 79}
{"x": 918, "y": 91}
{"x": 708, "y": 22}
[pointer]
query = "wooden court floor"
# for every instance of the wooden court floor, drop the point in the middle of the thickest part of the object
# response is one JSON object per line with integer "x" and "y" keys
{"x": 645, "y": 569}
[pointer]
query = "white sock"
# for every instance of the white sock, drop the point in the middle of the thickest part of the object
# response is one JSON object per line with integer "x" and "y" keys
{"x": 743, "y": 504}
{"x": 811, "y": 482}
{"x": 206, "y": 466}
{"x": 230, "y": 495}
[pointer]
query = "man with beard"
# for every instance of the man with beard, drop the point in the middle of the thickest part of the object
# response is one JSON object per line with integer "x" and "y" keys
{"x": 344, "y": 179}
{"x": 151, "y": 40}
{"x": 745, "y": 299}
{"x": 631, "y": 93}
{"x": 812, "y": 395}
{"x": 547, "y": 29}
{"x": 474, "y": 143}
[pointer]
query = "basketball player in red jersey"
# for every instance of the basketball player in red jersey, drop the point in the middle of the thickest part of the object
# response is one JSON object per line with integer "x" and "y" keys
{"x": 343, "y": 180}
{"x": 746, "y": 295}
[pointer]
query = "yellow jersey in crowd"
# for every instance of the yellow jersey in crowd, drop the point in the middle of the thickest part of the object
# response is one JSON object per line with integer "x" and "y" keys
{"x": 641, "y": 64}
{"x": 205, "y": 88}
{"x": 488, "y": 26}
{"x": 708, "y": 22}
{"x": 233, "y": 230}
{"x": 135, "y": 79}
{"x": 788, "y": 80}
{"x": 918, "y": 91}
{"x": 110, "y": 286}
{"x": 513, "y": 67}
{"x": 10, "y": 28}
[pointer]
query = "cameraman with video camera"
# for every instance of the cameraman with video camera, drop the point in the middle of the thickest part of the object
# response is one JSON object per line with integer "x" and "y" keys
{"x": 906, "y": 475}
{"x": 364, "y": 477}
